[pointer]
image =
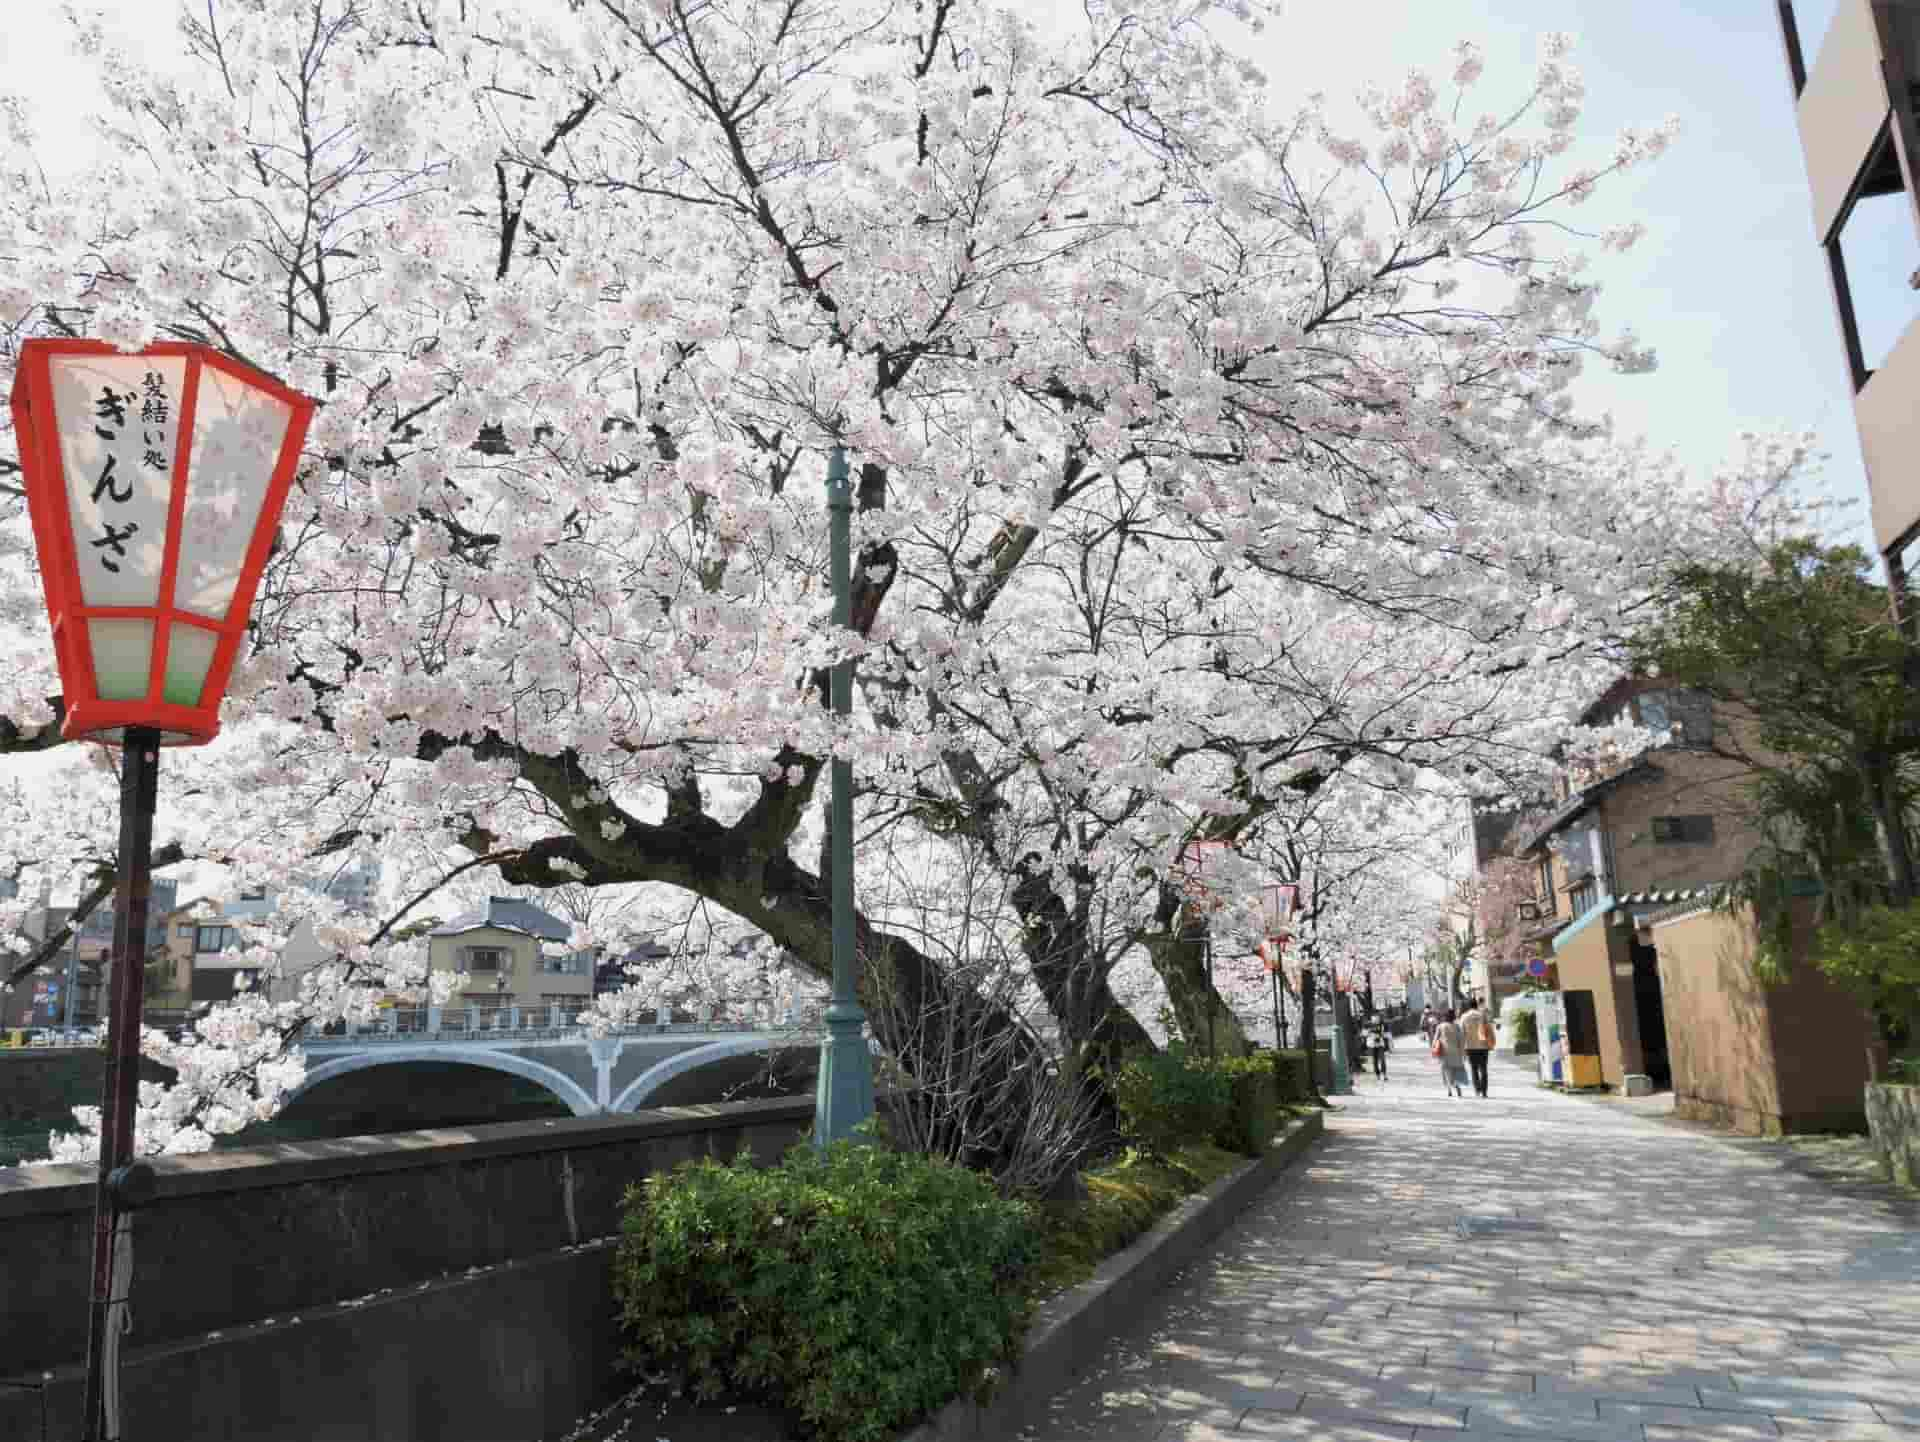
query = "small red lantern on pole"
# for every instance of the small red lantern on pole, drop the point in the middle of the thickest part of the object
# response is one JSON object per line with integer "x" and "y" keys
{"x": 155, "y": 481}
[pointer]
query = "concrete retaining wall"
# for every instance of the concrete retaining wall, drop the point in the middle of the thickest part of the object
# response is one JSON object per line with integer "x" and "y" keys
{"x": 445, "y": 1285}
{"x": 1893, "y": 1116}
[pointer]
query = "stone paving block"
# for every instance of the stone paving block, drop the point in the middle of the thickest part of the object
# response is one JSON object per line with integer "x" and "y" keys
{"x": 1623, "y": 1387}
{"x": 1900, "y": 1413}
{"x": 1323, "y": 1366}
{"x": 1443, "y": 1378}
{"x": 1756, "y": 1431}
{"x": 1407, "y": 1347}
{"x": 1348, "y": 1407}
{"x": 1483, "y": 1404}
{"x": 1809, "y": 1430}
{"x": 1810, "y": 1361}
{"x": 1533, "y": 1427}
{"x": 1480, "y": 1305}
{"x": 1295, "y": 1427}
{"x": 1875, "y": 1387}
{"x": 1706, "y": 1422}
{"x": 1671, "y": 1374}
{"x": 1205, "y": 1395}
{"x": 1780, "y": 1403}
{"x": 1478, "y": 1357}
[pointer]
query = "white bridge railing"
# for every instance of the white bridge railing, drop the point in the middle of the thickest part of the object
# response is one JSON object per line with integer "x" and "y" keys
{"x": 413, "y": 1025}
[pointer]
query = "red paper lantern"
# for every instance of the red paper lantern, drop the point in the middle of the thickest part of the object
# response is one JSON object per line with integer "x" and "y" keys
{"x": 155, "y": 480}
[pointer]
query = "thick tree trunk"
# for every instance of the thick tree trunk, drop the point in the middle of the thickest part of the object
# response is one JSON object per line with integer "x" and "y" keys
{"x": 1096, "y": 1028}
{"x": 1180, "y": 960}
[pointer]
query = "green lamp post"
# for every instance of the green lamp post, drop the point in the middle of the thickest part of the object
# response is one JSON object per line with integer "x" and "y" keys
{"x": 844, "y": 1096}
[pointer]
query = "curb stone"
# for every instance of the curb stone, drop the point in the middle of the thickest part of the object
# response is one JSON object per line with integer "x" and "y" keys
{"x": 1073, "y": 1329}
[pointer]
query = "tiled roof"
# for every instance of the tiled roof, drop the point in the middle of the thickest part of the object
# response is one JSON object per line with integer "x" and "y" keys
{"x": 508, "y": 914}
{"x": 1656, "y": 906}
{"x": 1667, "y": 898}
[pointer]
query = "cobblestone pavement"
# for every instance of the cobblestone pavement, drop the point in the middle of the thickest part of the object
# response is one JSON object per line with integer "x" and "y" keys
{"x": 1527, "y": 1266}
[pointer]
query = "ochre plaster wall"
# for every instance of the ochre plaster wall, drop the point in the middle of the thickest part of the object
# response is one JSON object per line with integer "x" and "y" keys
{"x": 1585, "y": 963}
{"x": 1756, "y": 1057}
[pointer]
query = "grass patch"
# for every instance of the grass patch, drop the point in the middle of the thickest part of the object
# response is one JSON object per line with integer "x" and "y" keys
{"x": 1125, "y": 1197}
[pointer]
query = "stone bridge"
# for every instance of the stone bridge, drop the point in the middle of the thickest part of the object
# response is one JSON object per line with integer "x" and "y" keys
{"x": 617, "y": 1072}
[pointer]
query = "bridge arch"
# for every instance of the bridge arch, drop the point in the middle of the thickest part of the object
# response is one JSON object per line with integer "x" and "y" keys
{"x": 559, "y": 1083}
{"x": 634, "y": 1095}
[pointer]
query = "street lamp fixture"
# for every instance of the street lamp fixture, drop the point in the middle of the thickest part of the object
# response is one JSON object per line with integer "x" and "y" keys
{"x": 155, "y": 480}
{"x": 843, "y": 1095}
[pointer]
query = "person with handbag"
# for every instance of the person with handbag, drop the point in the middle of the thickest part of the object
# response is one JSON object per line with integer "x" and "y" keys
{"x": 1448, "y": 1048}
{"x": 1476, "y": 1032}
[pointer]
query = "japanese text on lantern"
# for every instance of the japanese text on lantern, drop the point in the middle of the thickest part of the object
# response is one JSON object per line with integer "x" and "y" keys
{"x": 111, "y": 418}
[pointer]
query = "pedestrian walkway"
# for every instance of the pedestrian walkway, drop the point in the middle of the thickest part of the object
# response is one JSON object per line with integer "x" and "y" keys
{"x": 1527, "y": 1266}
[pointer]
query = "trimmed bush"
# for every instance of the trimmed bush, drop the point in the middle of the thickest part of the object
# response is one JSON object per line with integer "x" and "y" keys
{"x": 1526, "y": 1034}
{"x": 858, "y": 1288}
{"x": 1173, "y": 1098}
{"x": 1253, "y": 1111}
{"x": 1292, "y": 1076}
{"x": 1170, "y": 1098}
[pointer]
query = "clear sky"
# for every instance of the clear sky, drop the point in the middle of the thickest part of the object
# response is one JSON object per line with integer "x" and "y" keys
{"x": 1728, "y": 285}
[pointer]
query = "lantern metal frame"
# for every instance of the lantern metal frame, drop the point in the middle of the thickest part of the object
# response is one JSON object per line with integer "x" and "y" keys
{"x": 88, "y": 714}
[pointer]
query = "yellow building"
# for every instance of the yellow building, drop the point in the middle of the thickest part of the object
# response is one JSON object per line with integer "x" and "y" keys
{"x": 510, "y": 953}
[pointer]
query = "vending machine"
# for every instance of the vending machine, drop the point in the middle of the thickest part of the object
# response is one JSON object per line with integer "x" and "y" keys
{"x": 1551, "y": 1015}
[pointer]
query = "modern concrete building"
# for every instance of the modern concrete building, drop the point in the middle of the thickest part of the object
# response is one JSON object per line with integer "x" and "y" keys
{"x": 1855, "y": 91}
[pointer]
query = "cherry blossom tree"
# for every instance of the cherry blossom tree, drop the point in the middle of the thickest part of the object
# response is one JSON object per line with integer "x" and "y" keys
{"x": 1205, "y": 457}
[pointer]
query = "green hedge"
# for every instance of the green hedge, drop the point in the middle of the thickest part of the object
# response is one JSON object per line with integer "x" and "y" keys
{"x": 1171, "y": 1098}
{"x": 859, "y": 1288}
{"x": 1253, "y": 1109}
{"x": 1293, "y": 1076}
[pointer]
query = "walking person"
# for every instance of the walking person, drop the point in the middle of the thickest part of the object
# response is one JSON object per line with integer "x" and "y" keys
{"x": 1428, "y": 1021}
{"x": 1476, "y": 1034}
{"x": 1447, "y": 1046}
{"x": 1379, "y": 1043}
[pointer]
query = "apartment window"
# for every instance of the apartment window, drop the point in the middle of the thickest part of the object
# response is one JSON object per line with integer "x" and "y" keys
{"x": 212, "y": 940}
{"x": 1683, "y": 830}
{"x": 488, "y": 958}
{"x": 184, "y": 930}
{"x": 258, "y": 893}
{"x": 1582, "y": 897}
{"x": 1547, "y": 907}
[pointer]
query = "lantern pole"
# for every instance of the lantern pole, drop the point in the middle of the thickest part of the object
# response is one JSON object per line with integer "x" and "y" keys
{"x": 1279, "y": 1029}
{"x": 121, "y": 1175}
{"x": 843, "y": 1096}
